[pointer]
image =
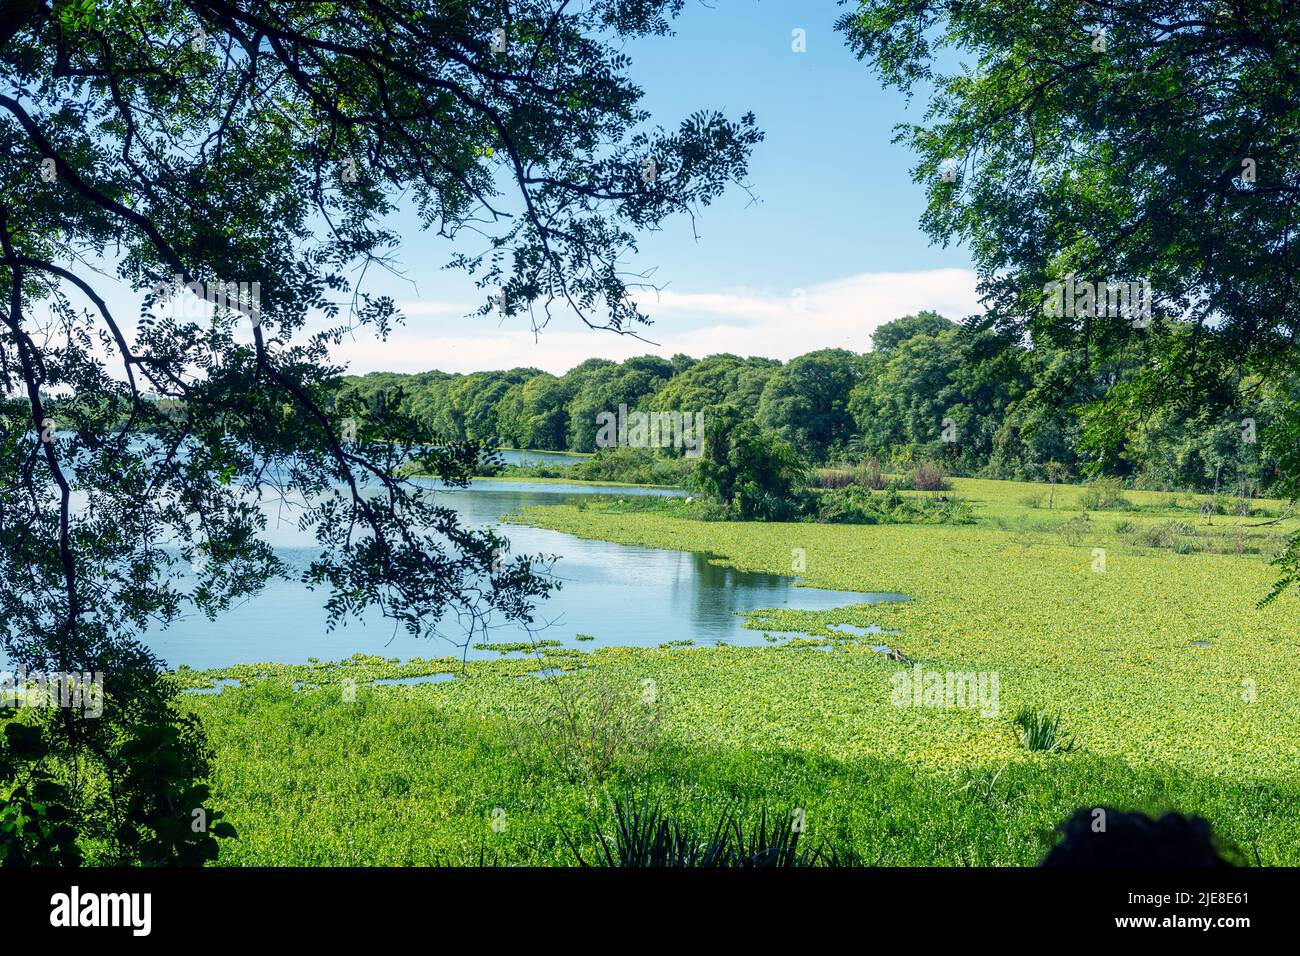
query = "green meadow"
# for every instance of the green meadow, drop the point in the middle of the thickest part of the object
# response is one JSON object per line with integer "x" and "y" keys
{"x": 1135, "y": 622}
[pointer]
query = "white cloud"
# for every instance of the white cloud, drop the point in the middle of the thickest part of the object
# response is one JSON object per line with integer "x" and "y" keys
{"x": 453, "y": 309}
{"x": 775, "y": 324}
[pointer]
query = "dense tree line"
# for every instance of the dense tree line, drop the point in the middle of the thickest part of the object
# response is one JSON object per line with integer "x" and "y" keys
{"x": 1122, "y": 142}
{"x": 929, "y": 388}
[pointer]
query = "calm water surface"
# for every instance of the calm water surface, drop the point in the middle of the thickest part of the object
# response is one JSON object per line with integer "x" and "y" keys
{"x": 619, "y": 594}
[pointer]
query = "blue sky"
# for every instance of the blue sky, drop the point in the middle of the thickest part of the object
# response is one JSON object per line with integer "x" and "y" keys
{"x": 836, "y": 196}
{"x": 830, "y": 249}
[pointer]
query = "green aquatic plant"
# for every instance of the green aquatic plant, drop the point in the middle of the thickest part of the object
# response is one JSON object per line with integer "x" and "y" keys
{"x": 1041, "y": 731}
{"x": 516, "y": 647}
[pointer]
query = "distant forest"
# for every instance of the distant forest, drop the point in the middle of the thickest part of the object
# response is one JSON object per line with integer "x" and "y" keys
{"x": 928, "y": 389}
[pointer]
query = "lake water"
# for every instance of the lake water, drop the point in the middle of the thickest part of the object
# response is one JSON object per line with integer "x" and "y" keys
{"x": 621, "y": 595}
{"x": 513, "y": 456}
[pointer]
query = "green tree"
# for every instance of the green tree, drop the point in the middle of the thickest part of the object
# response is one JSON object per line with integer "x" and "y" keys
{"x": 1116, "y": 142}
{"x": 754, "y": 472}
{"x": 269, "y": 142}
{"x": 906, "y": 401}
{"x": 715, "y": 381}
{"x": 891, "y": 335}
{"x": 475, "y": 400}
{"x": 604, "y": 389}
{"x": 534, "y": 414}
{"x": 806, "y": 401}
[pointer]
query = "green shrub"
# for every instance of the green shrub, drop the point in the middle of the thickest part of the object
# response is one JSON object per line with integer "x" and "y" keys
{"x": 706, "y": 509}
{"x": 594, "y": 728}
{"x": 852, "y": 505}
{"x": 637, "y": 466}
{"x": 866, "y": 474}
{"x": 857, "y": 504}
{"x": 1173, "y": 535}
{"x": 753, "y": 472}
{"x": 632, "y": 466}
{"x": 928, "y": 475}
{"x": 1074, "y": 530}
{"x": 1103, "y": 494}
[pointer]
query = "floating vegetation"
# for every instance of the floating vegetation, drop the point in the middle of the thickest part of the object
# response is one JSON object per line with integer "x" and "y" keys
{"x": 1166, "y": 724}
{"x": 798, "y": 642}
{"x": 517, "y": 647}
{"x": 361, "y": 669}
{"x": 1036, "y": 609}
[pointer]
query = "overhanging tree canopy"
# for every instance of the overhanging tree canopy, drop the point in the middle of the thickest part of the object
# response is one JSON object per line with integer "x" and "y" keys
{"x": 259, "y": 141}
{"x": 1146, "y": 141}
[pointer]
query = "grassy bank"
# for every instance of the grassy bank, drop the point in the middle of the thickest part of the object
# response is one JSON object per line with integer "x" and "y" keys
{"x": 414, "y": 774}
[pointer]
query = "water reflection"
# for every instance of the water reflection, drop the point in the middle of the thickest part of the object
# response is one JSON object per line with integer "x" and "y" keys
{"x": 621, "y": 595}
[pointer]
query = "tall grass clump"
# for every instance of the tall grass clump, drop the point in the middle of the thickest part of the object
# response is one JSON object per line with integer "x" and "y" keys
{"x": 928, "y": 475}
{"x": 866, "y": 474}
{"x": 1075, "y": 529}
{"x": 644, "y": 836}
{"x": 1041, "y": 731}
